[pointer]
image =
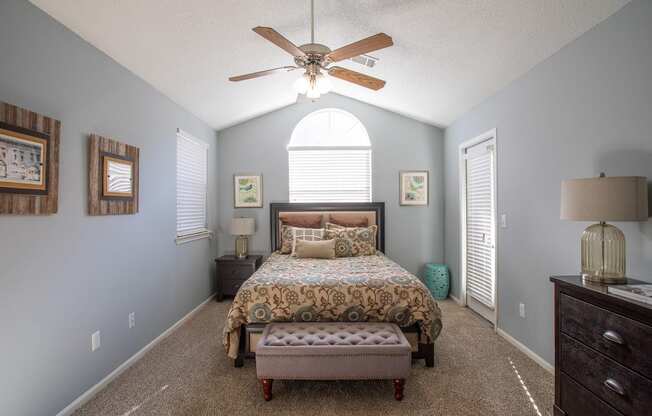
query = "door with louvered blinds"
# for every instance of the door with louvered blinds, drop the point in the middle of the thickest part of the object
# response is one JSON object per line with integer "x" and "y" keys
{"x": 480, "y": 229}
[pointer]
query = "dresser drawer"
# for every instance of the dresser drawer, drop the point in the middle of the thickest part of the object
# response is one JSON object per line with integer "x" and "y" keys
{"x": 625, "y": 340}
{"x": 235, "y": 272}
{"x": 578, "y": 401}
{"x": 630, "y": 393}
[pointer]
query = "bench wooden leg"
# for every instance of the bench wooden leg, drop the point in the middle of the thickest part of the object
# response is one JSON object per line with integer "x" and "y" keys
{"x": 398, "y": 388}
{"x": 267, "y": 388}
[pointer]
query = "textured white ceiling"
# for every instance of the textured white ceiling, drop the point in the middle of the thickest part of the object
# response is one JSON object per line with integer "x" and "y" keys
{"x": 448, "y": 55}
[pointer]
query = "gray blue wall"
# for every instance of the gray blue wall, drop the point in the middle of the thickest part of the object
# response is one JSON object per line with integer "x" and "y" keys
{"x": 414, "y": 235}
{"x": 64, "y": 276}
{"x": 585, "y": 110}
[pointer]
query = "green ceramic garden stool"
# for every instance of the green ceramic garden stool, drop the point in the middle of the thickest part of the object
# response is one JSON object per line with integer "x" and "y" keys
{"x": 437, "y": 280}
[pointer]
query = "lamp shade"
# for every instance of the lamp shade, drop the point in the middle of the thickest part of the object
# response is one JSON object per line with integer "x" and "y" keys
{"x": 615, "y": 198}
{"x": 243, "y": 226}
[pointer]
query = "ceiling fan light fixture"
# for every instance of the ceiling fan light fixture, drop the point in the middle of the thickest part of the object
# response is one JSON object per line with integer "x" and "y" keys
{"x": 313, "y": 92}
{"x": 323, "y": 84}
{"x": 302, "y": 84}
{"x": 312, "y": 85}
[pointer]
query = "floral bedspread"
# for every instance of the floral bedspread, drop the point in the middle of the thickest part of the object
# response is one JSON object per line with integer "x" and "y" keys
{"x": 350, "y": 289}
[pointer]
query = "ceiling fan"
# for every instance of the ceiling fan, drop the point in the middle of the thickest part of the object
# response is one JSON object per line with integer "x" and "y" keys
{"x": 315, "y": 58}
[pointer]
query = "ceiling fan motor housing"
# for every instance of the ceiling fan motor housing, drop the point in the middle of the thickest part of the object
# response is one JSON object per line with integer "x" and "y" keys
{"x": 315, "y": 54}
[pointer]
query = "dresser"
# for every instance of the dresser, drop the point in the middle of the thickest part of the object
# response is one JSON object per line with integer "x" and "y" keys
{"x": 603, "y": 351}
{"x": 231, "y": 272}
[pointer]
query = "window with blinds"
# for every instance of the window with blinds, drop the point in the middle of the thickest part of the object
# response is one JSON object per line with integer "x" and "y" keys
{"x": 192, "y": 164}
{"x": 330, "y": 175}
{"x": 330, "y": 159}
{"x": 480, "y": 229}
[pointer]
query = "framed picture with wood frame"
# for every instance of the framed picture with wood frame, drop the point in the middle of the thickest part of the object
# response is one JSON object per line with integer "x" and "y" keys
{"x": 117, "y": 177}
{"x": 29, "y": 162}
{"x": 112, "y": 177}
{"x": 23, "y": 160}
{"x": 247, "y": 191}
{"x": 413, "y": 187}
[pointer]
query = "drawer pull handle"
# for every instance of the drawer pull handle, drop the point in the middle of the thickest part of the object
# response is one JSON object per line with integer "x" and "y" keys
{"x": 614, "y": 337}
{"x": 614, "y": 386}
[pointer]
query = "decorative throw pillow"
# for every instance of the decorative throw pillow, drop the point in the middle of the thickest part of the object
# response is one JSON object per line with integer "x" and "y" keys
{"x": 301, "y": 219}
{"x": 323, "y": 249}
{"x": 349, "y": 220}
{"x": 306, "y": 234}
{"x": 353, "y": 242}
{"x": 287, "y": 238}
{"x": 332, "y": 226}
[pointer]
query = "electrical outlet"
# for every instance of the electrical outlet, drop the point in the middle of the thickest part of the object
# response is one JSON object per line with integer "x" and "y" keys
{"x": 503, "y": 220}
{"x": 521, "y": 310}
{"x": 132, "y": 320}
{"x": 95, "y": 340}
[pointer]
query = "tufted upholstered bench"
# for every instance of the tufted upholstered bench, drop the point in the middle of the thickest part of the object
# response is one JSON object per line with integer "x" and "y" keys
{"x": 333, "y": 351}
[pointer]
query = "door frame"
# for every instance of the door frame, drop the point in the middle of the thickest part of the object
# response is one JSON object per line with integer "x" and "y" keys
{"x": 488, "y": 135}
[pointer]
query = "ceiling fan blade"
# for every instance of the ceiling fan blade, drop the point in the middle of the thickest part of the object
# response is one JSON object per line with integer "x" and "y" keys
{"x": 280, "y": 41}
{"x": 263, "y": 73}
{"x": 370, "y": 44}
{"x": 356, "y": 78}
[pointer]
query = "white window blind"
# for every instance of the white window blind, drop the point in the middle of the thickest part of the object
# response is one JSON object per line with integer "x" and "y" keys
{"x": 480, "y": 232}
{"x": 330, "y": 158}
{"x": 192, "y": 162}
{"x": 330, "y": 175}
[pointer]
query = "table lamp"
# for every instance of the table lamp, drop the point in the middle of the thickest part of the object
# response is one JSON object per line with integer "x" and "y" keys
{"x": 242, "y": 227}
{"x": 617, "y": 198}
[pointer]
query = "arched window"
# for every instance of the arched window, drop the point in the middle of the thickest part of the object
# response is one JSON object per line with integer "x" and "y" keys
{"x": 330, "y": 158}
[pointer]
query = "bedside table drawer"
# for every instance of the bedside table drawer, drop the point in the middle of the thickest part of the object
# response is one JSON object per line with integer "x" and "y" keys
{"x": 235, "y": 272}
{"x": 625, "y": 390}
{"x": 625, "y": 340}
{"x": 231, "y": 286}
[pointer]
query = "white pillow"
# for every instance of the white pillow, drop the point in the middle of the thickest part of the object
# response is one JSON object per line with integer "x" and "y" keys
{"x": 306, "y": 234}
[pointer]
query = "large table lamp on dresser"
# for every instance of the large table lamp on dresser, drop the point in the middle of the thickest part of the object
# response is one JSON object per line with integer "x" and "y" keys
{"x": 602, "y": 199}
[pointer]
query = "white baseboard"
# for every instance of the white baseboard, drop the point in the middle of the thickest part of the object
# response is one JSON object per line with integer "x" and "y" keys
{"x": 88, "y": 394}
{"x": 456, "y": 300}
{"x": 525, "y": 350}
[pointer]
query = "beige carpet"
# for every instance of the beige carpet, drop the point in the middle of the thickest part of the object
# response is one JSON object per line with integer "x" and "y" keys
{"x": 476, "y": 373}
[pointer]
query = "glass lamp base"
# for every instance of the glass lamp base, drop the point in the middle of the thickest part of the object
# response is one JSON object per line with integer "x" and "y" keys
{"x": 603, "y": 254}
{"x": 241, "y": 247}
{"x": 604, "y": 280}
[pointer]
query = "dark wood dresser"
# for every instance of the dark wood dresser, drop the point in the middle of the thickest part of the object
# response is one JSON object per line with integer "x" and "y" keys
{"x": 603, "y": 351}
{"x": 231, "y": 273}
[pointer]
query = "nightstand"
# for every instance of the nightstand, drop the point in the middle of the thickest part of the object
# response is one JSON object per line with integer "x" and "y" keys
{"x": 231, "y": 273}
{"x": 603, "y": 364}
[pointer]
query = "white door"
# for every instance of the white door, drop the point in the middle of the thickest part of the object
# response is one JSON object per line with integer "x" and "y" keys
{"x": 480, "y": 233}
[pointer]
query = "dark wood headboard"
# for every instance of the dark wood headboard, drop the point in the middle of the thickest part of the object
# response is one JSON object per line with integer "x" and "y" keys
{"x": 378, "y": 208}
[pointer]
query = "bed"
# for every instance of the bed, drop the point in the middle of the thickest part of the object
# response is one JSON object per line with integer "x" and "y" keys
{"x": 346, "y": 289}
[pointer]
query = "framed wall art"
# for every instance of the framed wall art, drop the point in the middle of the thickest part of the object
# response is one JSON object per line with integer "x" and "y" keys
{"x": 112, "y": 177}
{"x": 23, "y": 160}
{"x": 117, "y": 177}
{"x": 29, "y": 162}
{"x": 413, "y": 187}
{"x": 248, "y": 191}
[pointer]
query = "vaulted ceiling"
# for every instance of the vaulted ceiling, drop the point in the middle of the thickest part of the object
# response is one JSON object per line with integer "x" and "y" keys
{"x": 448, "y": 55}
